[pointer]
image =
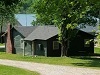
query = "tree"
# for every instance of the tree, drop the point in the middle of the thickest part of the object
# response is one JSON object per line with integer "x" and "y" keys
{"x": 66, "y": 15}
{"x": 25, "y": 6}
{"x": 7, "y": 9}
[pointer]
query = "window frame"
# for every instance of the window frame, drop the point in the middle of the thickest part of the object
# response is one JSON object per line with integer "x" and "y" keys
{"x": 86, "y": 42}
{"x": 39, "y": 47}
{"x": 55, "y": 45}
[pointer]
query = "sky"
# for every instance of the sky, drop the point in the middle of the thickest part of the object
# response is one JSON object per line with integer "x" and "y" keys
{"x": 25, "y": 19}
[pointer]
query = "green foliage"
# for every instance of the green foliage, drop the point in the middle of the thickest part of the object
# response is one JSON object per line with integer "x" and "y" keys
{"x": 9, "y": 2}
{"x": 2, "y": 44}
{"x": 67, "y": 12}
{"x": 71, "y": 10}
{"x": 25, "y": 6}
{"x": 7, "y": 10}
{"x": 95, "y": 8}
{"x": 8, "y": 70}
{"x": 98, "y": 37}
{"x": 97, "y": 50}
{"x": 66, "y": 15}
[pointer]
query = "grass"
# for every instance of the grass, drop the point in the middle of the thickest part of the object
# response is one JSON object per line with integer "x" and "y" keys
{"x": 66, "y": 61}
{"x": 8, "y": 70}
{"x": 81, "y": 61}
{"x": 97, "y": 50}
{"x": 2, "y": 44}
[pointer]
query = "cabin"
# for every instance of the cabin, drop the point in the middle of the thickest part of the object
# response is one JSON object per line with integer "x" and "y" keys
{"x": 43, "y": 41}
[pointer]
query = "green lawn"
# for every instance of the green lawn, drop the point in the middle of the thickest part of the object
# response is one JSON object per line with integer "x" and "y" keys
{"x": 97, "y": 50}
{"x": 2, "y": 44}
{"x": 8, "y": 70}
{"x": 81, "y": 61}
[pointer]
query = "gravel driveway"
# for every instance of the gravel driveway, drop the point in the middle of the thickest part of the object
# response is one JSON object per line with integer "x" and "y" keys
{"x": 46, "y": 69}
{"x": 2, "y": 46}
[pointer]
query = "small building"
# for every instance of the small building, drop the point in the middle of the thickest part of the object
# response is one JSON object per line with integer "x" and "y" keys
{"x": 43, "y": 41}
{"x": 20, "y": 20}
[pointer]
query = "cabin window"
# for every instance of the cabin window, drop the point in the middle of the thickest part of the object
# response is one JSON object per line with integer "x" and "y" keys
{"x": 40, "y": 47}
{"x": 22, "y": 43}
{"x": 86, "y": 42}
{"x": 55, "y": 45}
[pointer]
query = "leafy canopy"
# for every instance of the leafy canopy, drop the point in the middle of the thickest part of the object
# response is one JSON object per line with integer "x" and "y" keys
{"x": 7, "y": 10}
{"x": 73, "y": 11}
{"x": 66, "y": 14}
{"x": 25, "y": 6}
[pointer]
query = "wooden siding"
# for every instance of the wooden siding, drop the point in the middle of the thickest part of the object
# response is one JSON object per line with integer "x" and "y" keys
{"x": 77, "y": 46}
{"x": 28, "y": 48}
{"x": 50, "y": 51}
{"x": 17, "y": 42}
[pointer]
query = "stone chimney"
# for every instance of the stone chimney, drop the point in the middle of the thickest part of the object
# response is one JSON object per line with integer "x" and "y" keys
{"x": 9, "y": 46}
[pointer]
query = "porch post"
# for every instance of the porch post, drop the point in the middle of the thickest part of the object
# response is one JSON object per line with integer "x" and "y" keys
{"x": 45, "y": 52}
{"x": 33, "y": 49}
{"x": 23, "y": 48}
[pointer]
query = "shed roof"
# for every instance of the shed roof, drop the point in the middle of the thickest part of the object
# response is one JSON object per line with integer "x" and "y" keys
{"x": 43, "y": 33}
{"x": 90, "y": 29}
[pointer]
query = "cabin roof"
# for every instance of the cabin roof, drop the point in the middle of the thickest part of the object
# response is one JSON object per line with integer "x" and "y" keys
{"x": 43, "y": 33}
{"x": 25, "y": 30}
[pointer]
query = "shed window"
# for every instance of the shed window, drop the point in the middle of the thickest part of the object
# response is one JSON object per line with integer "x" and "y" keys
{"x": 22, "y": 43}
{"x": 40, "y": 47}
{"x": 86, "y": 42}
{"x": 55, "y": 45}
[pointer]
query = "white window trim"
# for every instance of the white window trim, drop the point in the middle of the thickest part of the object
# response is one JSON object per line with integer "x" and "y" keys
{"x": 55, "y": 47}
{"x": 39, "y": 46}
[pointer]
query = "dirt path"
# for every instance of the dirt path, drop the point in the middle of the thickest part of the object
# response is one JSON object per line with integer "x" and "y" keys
{"x": 45, "y": 69}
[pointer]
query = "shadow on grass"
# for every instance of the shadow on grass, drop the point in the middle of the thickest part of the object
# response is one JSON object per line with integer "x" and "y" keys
{"x": 91, "y": 62}
{"x": 2, "y": 49}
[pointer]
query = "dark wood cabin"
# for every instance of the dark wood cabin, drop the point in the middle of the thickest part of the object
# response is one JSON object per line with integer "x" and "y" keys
{"x": 81, "y": 44}
{"x": 42, "y": 41}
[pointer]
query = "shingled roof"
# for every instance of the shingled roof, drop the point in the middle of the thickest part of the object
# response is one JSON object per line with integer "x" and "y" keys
{"x": 25, "y": 30}
{"x": 38, "y": 32}
{"x": 90, "y": 29}
{"x": 43, "y": 33}
{"x": 4, "y": 27}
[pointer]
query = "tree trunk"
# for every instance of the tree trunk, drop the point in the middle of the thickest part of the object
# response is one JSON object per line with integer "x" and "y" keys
{"x": 1, "y": 34}
{"x": 65, "y": 41}
{"x": 9, "y": 43}
{"x": 67, "y": 48}
{"x": 63, "y": 49}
